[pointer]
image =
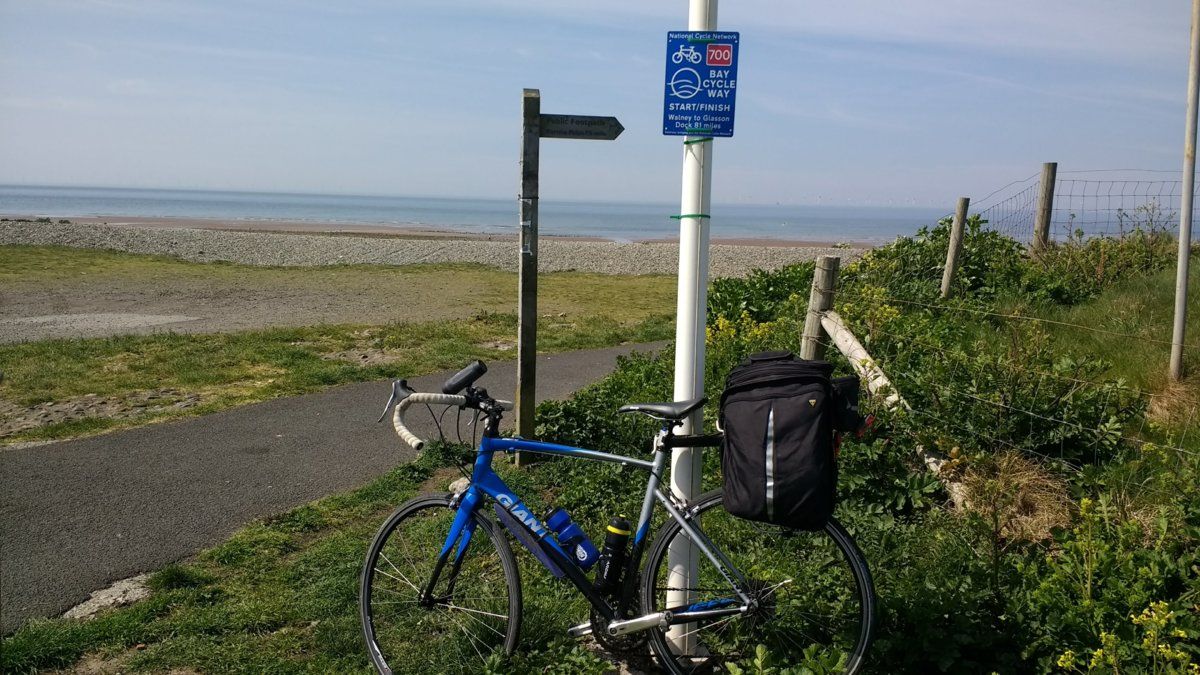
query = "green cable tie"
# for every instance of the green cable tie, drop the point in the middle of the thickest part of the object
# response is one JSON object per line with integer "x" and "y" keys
{"x": 697, "y": 140}
{"x": 690, "y": 215}
{"x": 698, "y": 130}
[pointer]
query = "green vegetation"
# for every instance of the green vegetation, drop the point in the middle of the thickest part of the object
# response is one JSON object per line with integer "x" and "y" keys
{"x": 209, "y": 372}
{"x": 62, "y": 221}
{"x": 228, "y": 369}
{"x": 422, "y": 287}
{"x": 278, "y": 596}
{"x": 1079, "y": 549}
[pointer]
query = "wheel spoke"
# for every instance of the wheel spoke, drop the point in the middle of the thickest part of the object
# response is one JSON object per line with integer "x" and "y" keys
{"x": 416, "y": 573}
{"x": 476, "y": 611}
{"x": 398, "y": 578}
{"x": 448, "y": 634}
{"x": 470, "y": 637}
{"x": 807, "y": 589}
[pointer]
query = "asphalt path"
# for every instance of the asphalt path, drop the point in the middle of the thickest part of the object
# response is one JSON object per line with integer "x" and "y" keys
{"x": 77, "y": 515}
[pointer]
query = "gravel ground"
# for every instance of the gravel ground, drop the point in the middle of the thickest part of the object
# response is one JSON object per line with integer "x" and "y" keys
{"x": 305, "y": 250}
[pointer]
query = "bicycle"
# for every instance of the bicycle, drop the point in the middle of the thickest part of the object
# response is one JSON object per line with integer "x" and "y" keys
{"x": 806, "y": 596}
{"x": 688, "y": 52}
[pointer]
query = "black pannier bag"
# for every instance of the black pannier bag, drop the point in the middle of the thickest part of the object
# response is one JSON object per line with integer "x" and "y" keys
{"x": 779, "y": 415}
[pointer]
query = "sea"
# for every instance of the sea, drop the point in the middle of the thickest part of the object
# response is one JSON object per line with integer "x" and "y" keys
{"x": 605, "y": 220}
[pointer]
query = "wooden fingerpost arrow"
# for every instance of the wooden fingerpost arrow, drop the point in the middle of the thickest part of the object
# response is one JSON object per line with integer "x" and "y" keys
{"x": 537, "y": 126}
{"x": 585, "y": 127}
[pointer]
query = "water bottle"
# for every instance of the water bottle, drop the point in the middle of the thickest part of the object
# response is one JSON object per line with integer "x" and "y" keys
{"x": 612, "y": 558}
{"x": 572, "y": 539}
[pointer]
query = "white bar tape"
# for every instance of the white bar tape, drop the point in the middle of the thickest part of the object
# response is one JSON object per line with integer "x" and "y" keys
{"x": 435, "y": 399}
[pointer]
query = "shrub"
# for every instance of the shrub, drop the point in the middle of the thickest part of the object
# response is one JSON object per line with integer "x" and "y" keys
{"x": 1078, "y": 549}
{"x": 910, "y": 268}
{"x": 760, "y": 294}
{"x": 1069, "y": 272}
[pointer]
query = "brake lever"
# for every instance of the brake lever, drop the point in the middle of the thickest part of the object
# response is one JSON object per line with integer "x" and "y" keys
{"x": 400, "y": 391}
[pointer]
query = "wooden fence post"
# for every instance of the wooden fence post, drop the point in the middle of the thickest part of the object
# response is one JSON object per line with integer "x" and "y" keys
{"x": 527, "y": 276}
{"x": 956, "y": 237}
{"x": 1045, "y": 207}
{"x": 819, "y": 300}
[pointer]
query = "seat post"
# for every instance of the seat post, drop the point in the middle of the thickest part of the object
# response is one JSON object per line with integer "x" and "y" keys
{"x": 665, "y": 432}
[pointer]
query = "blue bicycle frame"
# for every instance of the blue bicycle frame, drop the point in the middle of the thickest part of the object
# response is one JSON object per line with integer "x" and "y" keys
{"x": 486, "y": 484}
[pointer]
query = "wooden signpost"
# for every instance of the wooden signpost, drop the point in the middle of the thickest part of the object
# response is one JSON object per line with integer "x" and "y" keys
{"x": 587, "y": 127}
{"x": 536, "y": 127}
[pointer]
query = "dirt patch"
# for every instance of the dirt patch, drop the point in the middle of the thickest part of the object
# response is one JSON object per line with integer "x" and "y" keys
{"x": 117, "y": 304}
{"x": 1175, "y": 404}
{"x": 1019, "y": 497}
{"x": 97, "y": 294}
{"x": 441, "y": 480}
{"x": 16, "y": 418}
{"x": 364, "y": 357}
{"x": 48, "y": 326}
{"x": 97, "y": 664}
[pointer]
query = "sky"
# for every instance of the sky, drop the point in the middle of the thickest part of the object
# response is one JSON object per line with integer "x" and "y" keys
{"x": 848, "y": 102}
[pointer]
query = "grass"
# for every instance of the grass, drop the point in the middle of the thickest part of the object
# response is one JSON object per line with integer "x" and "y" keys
{"x": 449, "y": 289}
{"x": 580, "y": 311}
{"x": 280, "y": 596}
{"x": 1131, "y": 328}
{"x": 236, "y": 368}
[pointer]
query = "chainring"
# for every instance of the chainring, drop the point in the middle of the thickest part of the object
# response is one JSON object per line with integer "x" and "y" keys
{"x": 618, "y": 644}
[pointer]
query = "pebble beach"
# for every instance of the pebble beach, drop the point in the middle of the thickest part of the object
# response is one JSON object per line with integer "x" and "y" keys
{"x": 276, "y": 248}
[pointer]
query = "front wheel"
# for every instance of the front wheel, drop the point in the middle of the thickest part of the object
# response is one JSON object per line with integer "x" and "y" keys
{"x": 815, "y": 603}
{"x": 475, "y": 609}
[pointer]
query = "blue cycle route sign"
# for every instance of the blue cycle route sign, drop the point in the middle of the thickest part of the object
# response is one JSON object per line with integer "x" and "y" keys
{"x": 701, "y": 83}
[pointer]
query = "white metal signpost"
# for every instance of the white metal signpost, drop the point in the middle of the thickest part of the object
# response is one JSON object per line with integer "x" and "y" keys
{"x": 698, "y": 103}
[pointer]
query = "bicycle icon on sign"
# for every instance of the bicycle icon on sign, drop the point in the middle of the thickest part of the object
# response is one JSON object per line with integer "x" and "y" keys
{"x": 688, "y": 53}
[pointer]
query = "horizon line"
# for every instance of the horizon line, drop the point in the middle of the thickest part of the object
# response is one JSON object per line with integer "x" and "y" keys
{"x": 295, "y": 193}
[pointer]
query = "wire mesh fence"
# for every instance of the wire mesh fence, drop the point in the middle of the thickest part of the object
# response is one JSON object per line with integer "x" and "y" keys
{"x": 1088, "y": 207}
{"x": 1088, "y": 203}
{"x": 1010, "y": 209}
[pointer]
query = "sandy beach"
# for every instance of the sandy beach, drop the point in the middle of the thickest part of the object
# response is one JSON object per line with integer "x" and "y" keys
{"x": 297, "y": 243}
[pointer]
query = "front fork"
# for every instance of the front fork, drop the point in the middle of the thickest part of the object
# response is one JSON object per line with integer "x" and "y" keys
{"x": 461, "y": 531}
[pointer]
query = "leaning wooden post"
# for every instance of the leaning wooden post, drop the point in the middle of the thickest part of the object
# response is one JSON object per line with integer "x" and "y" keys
{"x": 879, "y": 385}
{"x": 1045, "y": 207}
{"x": 956, "y": 237}
{"x": 527, "y": 279}
{"x": 819, "y": 300}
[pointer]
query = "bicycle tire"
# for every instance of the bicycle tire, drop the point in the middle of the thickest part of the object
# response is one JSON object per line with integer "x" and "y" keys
{"x": 436, "y": 639}
{"x": 835, "y": 574}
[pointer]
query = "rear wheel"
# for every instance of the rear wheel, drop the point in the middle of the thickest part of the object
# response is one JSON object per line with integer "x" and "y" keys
{"x": 474, "y": 613}
{"x": 815, "y": 601}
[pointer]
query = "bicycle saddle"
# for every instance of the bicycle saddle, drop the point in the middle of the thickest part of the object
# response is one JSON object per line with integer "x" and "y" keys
{"x": 666, "y": 411}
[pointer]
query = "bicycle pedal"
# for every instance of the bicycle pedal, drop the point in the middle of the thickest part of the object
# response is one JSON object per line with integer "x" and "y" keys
{"x": 581, "y": 630}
